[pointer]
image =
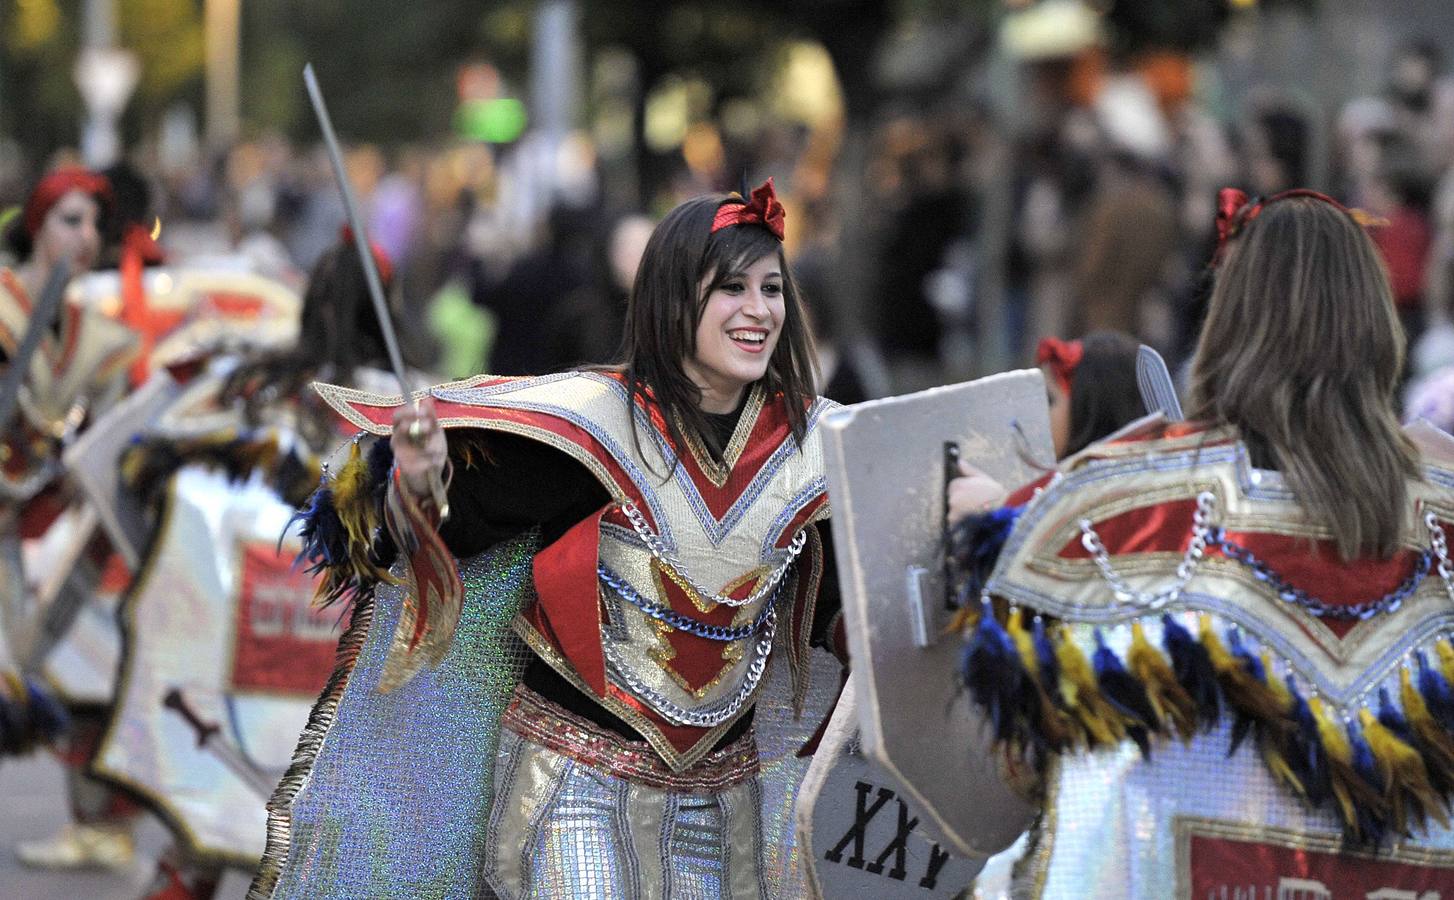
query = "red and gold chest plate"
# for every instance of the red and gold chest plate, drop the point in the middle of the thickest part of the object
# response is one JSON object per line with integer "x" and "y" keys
{"x": 667, "y": 603}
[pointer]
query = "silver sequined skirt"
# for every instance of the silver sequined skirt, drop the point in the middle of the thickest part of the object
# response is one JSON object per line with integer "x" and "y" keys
{"x": 567, "y": 823}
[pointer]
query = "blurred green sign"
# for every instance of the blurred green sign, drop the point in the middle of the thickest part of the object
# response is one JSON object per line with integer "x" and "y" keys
{"x": 497, "y": 121}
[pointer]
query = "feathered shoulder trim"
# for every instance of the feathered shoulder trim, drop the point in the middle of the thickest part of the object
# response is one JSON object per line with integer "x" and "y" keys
{"x": 1161, "y": 586}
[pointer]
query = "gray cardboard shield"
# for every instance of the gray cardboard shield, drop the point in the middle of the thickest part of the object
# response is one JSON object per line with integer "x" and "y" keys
{"x": 886, "y": 480}
{"x": 94, "y": 462}
{"x": 858, "y": 837}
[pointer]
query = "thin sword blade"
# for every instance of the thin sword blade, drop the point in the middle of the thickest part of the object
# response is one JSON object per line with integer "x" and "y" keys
{"x": 1158, "y": 392}
{"x": 355, "y": 221}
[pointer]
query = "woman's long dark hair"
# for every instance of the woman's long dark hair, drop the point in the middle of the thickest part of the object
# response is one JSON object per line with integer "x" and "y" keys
{"x": 666, "y": 306}
{"x": 338, "y": 332}
{"x": 1104, "y": 396}
{"x": 1302, "y": 352}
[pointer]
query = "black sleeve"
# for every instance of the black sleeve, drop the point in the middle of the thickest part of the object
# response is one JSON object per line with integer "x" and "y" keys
{"x": 504, "y": 484}
{"x": 828, "y": 602}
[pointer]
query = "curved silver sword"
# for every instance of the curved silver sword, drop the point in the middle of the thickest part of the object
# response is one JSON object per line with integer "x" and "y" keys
{"x": 1158, "y": 391}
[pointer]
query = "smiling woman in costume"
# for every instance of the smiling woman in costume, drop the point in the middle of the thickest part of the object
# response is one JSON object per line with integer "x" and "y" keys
{"x": 657, "y": 526}
{"x": 1230, "y": 635}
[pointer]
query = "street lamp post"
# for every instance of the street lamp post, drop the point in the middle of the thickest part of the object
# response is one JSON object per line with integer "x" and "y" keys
{"x": 105, "y": 75}
{"x": 223, "y": 30}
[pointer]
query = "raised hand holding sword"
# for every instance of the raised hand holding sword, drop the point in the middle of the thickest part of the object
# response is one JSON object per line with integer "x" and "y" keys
{"x": 420, "y": 456}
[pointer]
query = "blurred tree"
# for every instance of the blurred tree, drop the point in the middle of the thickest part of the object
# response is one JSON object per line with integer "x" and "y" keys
{"x": 39, "y": 103}
{"x": 1186, "y": 26}
{"x": 388, "y": 70}
{"x": 166, "y": 35}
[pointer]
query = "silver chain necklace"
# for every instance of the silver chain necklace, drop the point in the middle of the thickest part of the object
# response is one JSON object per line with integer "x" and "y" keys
{"x": 661, "y": 554}
{"x": 1201, "y": 529}
{"x": 1441, "y": 552}
{"x": 707, "y": 718}
{"x": 1201, "y": 533}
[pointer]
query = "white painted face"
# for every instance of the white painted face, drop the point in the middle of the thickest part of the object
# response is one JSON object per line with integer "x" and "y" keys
{"x": 741, "y": 322}
{"x": 71, "y": 230}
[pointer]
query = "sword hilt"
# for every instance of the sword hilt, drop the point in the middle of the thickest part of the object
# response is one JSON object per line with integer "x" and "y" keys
{"x": 205, "y": 730}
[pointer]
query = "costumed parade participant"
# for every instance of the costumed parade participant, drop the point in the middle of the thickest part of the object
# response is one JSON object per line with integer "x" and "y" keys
{"x": 1217, "y": 652}
{"x": 655, "y": 525}
{"x": 1091, "y": 387}
{"x": 77, "y": 371}
{"x": 225, "y": 653}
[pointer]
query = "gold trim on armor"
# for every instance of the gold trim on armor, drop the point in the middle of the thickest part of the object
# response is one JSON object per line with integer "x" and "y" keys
{"x": 342, "y": 399}
{"x": 716, "y": 472}
{"x": 663, "y": 653}
{"x": 1036, "y": 861}
{"x": 648, "y": 729}
{"x": 1048, "y": 560}
{"x": 659, "y": 568}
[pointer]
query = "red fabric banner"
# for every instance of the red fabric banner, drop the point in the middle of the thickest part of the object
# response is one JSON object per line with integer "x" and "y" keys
{"x": 284, "y": 644}
{"x": 1226, "y": 867}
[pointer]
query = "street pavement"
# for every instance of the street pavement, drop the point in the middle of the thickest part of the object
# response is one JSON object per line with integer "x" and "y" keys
{"x": 33, "y": 804}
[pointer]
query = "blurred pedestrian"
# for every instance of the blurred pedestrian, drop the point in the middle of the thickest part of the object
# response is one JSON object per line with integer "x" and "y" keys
{"x": 76, "y": 372}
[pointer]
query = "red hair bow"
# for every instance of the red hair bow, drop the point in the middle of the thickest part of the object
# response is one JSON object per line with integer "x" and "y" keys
{"x": 56, "y": 185}
{"x": 763, "y": 209}
{"x": 1061, "y": 358}
{"x": 1230, "y": 201}
{"x": 1235, "y": 209}
{"x": 381, "y": 259}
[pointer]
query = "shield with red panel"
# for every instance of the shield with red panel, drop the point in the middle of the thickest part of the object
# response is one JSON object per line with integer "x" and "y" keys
{"x": 186, "y": 314}
{"x": 225, "y": 655}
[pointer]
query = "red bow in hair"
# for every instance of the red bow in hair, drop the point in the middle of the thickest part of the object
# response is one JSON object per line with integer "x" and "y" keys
{"x": 1229, "y": 202}
{"x": 1235, "y": 210}
{"x": 58, "y": 184}
{"x": 381, "y": 259}
{"x": 763, "y": 209}
{"x": 1061, "y": 358}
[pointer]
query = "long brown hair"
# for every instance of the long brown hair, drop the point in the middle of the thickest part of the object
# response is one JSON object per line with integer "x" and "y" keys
{"x": 666, "y": 306}
{"x": 1302, "y": 352}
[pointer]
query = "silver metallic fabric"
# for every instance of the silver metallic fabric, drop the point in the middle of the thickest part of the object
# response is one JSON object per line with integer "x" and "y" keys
{"x": 561, "y": 829}
{"x": 1117, "y": 826}
{"x": 389, "y": 794}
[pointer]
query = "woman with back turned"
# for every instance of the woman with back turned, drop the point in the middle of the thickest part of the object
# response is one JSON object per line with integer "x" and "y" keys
{"x": 1217, "y": 651}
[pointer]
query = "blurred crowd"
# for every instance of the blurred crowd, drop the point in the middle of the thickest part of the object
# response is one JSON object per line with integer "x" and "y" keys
{"x": 933, "y": 241}
{"x": 1091, "y": 207}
